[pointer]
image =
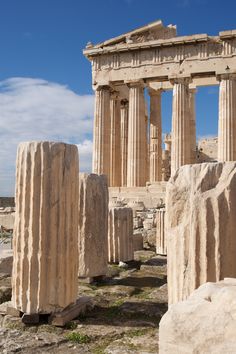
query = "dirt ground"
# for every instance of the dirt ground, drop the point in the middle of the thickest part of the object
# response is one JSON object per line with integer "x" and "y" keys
{"x": 127, "y": 307}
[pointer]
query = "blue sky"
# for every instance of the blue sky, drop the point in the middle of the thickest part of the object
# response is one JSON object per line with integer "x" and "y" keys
{"x": 45, "y": 82}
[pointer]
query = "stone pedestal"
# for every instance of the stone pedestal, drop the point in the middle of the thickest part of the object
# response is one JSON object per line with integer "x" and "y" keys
{"x": 45, "y": 243}
{"x": 120, "y": 234}
{"x": 93, "y": 222}
{"x": 136, "y": 165}
{"x": 192, "y": 122}
{"x": 102, "y": 132}
{"x": 227, "y": 118}
{"x": 124, "y": 109}
{"x": 155, "y": 136}
{"x": 200, "y": 227}
{"x": 115, "y": 158}
{"x": 180, "y": 136}
{"x": 204, "y": 323}
{"x": 160, "y": 232}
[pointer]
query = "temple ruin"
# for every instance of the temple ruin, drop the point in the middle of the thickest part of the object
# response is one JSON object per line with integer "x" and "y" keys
{"x": 128, "y": 146}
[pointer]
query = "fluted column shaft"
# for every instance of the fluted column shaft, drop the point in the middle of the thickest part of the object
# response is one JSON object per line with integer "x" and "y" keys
{"x": 101, "y": 131}
{"x": 124, "y": 140}
{"x": 227, "y": 118}
{"x": 45, "y": 244}
{"x": 192, "y": 125}
{"x": 115, "y": 157}
{"x": 136, "y": 165}
{"x": 180, "y": 146}
{"x": 155, "y": 136}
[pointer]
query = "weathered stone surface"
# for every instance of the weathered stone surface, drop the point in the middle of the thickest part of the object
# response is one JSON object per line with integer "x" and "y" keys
{"x": 204, "y": 323}
{"x": 45, "y": 248}
{"x": 201, "y": 223}
{"x": 160, "y": 232}
{"x": 120, "y": 234}
{"x": 138, "y": 241}
{"x": 93, "y": 223}
{"x": 6, "y": 261}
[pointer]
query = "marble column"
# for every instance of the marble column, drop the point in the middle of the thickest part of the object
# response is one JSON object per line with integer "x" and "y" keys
{"x": 136, "y": 164}
{"x": 192, "y": 122}
{"x": 115, "y": 157}
{"x": 155, "y": 136}
{"x": 227, "y": 118}
{"x": 124, "y": 111}
{"x": 101, "y": 131}
{"x": 180, "y": 136}
{"x": 45, "y": 243}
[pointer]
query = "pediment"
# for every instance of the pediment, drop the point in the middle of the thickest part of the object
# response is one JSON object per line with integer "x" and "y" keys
{"x": 153, "y": 31}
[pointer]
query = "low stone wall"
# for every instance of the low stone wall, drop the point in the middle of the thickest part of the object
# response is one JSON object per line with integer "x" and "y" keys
{"x": 152, "y": 195}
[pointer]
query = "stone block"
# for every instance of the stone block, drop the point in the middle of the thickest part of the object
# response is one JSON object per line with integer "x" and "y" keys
{"x": 200, "y": 226}
{"x": 45, "y": 243}
{"x": 120, "y": 235}
{"x": 93, "y": 225}
{"x": 204, "y": 323}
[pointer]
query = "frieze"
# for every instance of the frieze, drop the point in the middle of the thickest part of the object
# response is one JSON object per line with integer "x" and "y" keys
{"x": 159, "y": 55}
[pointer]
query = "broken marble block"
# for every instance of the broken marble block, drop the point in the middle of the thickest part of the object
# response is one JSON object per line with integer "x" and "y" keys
{"x": 204, "y": 323}
{"x": 200, "y": 226}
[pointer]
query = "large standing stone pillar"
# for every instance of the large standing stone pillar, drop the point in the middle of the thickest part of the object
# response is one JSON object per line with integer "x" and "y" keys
{"x": 137, "y": 137}
{"x": 115, "y": 158}
{"x": 93, "y": 224}
{"x": 155, "y": 136}
{"x": 192, "y": 122}
{"x": 180, "y": 136}
{"x": 124, "y": 140}
{"x": 120, "y": 234}
{"x": 45, "y": 243}
{"x": 101, "y": 131}
{"x": 227, "y": 118}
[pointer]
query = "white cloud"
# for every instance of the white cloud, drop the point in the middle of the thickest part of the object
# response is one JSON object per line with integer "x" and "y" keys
{"x": 35, "y": 109}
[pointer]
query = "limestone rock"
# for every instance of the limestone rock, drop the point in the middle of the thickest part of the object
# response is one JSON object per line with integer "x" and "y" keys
{"x": 45, "y": 242}
{"x": 93, "y": 223}
{"x": 120, "y": 234}
{"x": 204, "y": 323}
{"x": 200, "y": 226}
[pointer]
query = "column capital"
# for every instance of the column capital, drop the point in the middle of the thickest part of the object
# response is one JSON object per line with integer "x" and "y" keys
{"x": 226, "y": 76}
{"x": 103, "y": 87}
{"x": 180, "y": 80}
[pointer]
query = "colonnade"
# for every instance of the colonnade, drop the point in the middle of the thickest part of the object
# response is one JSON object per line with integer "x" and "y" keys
{"x": 123, "y": 145}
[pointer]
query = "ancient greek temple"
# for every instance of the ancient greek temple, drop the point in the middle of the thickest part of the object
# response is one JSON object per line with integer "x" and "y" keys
{"x": 152, "y": 59}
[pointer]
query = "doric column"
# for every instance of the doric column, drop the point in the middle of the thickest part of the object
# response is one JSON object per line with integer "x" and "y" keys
{"x": 136, "y": 165}
{"x": 155, "y": 136}
{"x": 124, "y": 111}
{"x": 45, "y": 244}
{"x": 192, "y": 122}
{"x": 227, "y": 118}
{"x": 101, "y": 131}
{"x": 180, "y": 136}
{"x": 115, "y": 158}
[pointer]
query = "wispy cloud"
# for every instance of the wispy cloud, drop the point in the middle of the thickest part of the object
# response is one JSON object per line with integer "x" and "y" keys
{"x": 35, "y": 109}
